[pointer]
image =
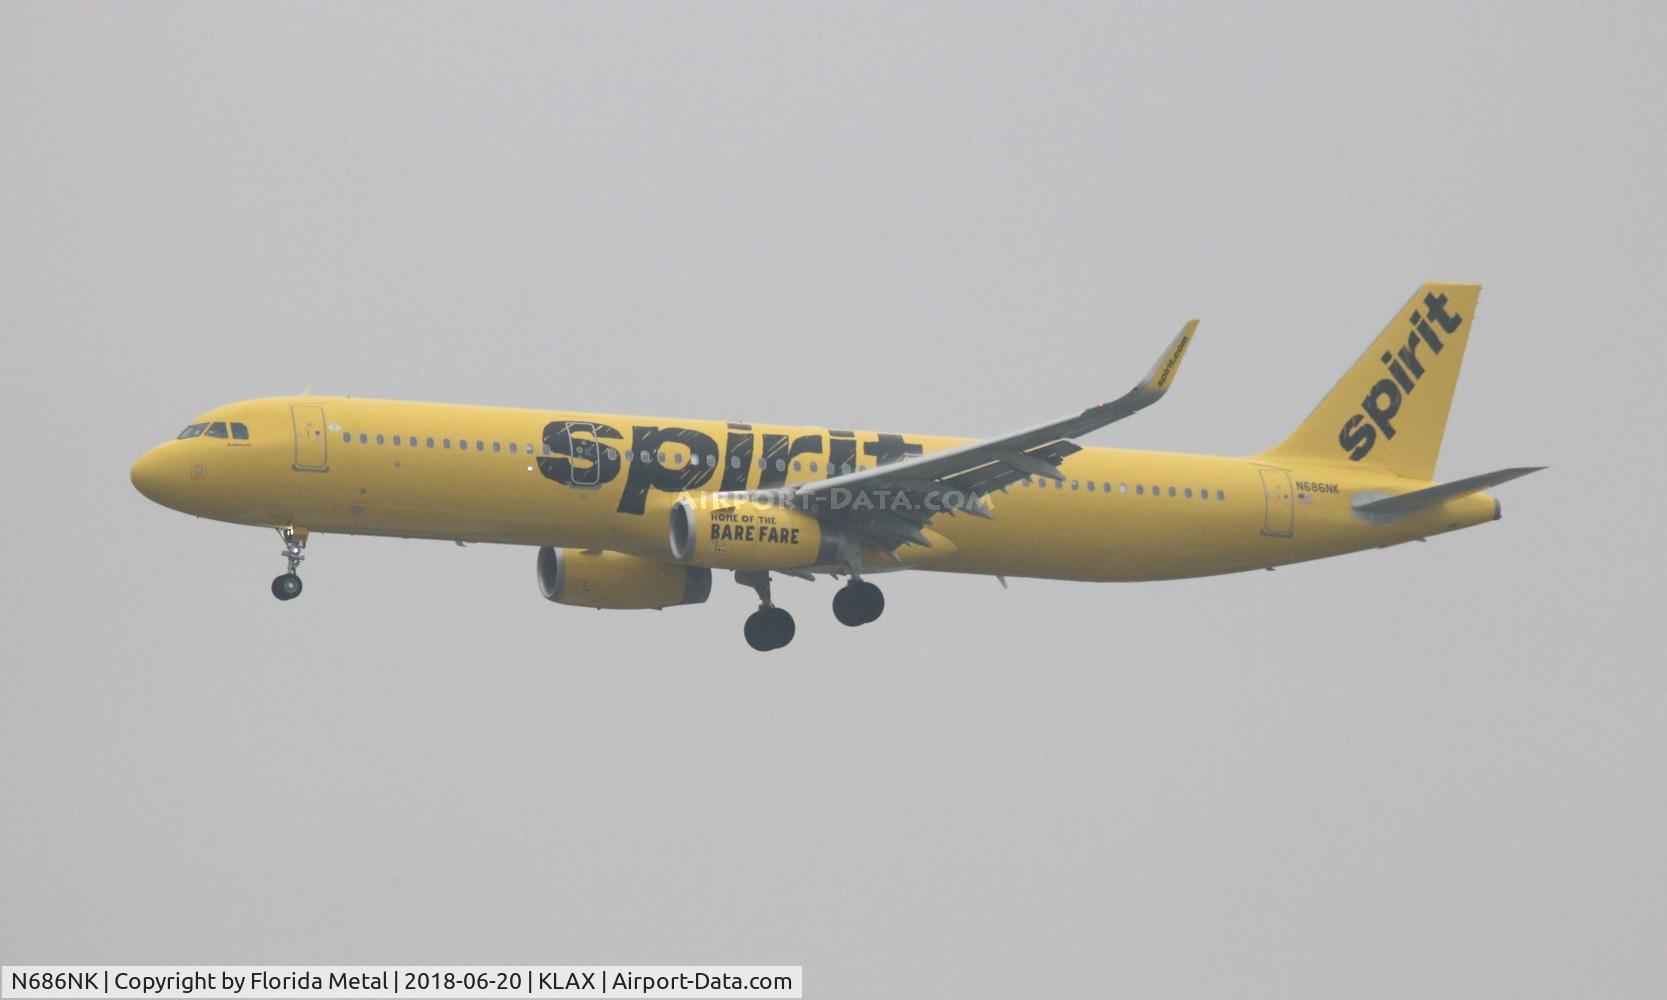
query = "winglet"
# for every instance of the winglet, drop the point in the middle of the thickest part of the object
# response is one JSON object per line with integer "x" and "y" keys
{"x": 1162, "y": 375}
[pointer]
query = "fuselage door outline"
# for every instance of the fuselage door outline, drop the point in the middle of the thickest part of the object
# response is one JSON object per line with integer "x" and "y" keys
{"x": 312, "y": 444}
{"x": 585, "y": 449}
{"x": 1281, "y": 503}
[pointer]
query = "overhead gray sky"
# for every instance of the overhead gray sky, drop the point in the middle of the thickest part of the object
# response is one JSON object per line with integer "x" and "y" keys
{"x": 1434, "y": 770}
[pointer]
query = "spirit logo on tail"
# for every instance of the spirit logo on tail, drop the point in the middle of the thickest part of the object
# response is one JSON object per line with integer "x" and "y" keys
{"x": 1383, "y": 401}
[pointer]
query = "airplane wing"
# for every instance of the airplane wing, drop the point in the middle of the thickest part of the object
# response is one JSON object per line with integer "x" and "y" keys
{"x": 887, "y": 506}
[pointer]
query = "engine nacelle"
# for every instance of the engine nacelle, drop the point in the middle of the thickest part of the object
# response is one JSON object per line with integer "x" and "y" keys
{"x": 588, "y": 579}
{"x": 746, "y": 534}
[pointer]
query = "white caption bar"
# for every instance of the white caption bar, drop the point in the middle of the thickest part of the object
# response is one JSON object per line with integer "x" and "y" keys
{"x": 315, "y": 981}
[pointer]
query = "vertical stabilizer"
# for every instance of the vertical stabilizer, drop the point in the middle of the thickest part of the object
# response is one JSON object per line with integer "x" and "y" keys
{"x": 1390, "y": 410}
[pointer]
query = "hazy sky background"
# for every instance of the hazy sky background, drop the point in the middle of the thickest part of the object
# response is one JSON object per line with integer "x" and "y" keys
{"x": 1436, "y": 770}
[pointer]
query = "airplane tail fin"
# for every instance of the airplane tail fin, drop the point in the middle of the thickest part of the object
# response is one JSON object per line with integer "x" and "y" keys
{"x": 1390, "y": 410}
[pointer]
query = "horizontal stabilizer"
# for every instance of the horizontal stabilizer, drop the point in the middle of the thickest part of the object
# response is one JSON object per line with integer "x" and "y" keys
{"x": 1405, "y": 504}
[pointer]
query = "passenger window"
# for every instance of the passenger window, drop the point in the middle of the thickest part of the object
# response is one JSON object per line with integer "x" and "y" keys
{"x": 379, "y": 439}
{"x": 1156, "y": 491}
{"x": 1073, "y": 484}
{"x": 240, "y": 432}
{"x": 798, "y": 466}
{"x": 496, "y": 447}
{"x": 1189, "y": 492}
{"x": 431, "y": 442}
{"x": 462, "y": 444}
{"x": 192, "y": 431}
{"x": 1220, "y": 495}
{"x": 445, "y": 442}
{"x": 734, "y": 462}
{"x": 364, "y": 439}
{"x": 1091, "y": 486}
{"x": 1172, "y": 491}
{"x": 781, "y": 466}
{"x": 1122, "y": 487}
{"x": 396, "y": 440}
{"x": 480, "y": 445}
{"x": 347, "y": 437}
{"x": 1139, "y": 490}
{"x": 1203, "y": 494}
{"x": 512, "y": 447}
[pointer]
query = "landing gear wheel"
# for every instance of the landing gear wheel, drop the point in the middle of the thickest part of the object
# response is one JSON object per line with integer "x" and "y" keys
{"x": 858, "y": 603}
{"x": 286, "y": 587}
{"x": 769, "y": 628}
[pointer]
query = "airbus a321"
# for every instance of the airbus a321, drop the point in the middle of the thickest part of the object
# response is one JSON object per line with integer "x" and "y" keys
{"x": 632, "y": 512}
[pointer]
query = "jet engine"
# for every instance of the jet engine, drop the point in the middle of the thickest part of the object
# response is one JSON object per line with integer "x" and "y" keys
{"x": 591, "y": 579}
{"x": 747, "y": 534}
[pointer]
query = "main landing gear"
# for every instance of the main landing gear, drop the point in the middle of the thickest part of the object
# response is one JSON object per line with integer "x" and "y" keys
{"x": 287, "y": 587}
{"x": 858, "y": 603}
{"x": 769, "y": 627}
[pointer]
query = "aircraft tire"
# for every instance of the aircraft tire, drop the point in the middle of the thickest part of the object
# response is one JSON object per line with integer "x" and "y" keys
{"x": 858, "y": 603}
{"x": 286, "y": 587}
{"x": 769, "y": 628}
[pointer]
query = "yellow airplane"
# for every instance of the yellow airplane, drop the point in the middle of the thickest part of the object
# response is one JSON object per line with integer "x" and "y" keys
{"x": 636, "y": 512}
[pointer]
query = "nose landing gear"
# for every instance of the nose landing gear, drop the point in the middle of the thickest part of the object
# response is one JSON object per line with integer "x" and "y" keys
{"x": 858, "y": 603}
{"x": 287, "y": 586}
{"x": 769, "y": 627}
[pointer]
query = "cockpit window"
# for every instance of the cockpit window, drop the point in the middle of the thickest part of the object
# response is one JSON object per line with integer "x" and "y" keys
{"x": 192, "y": 431}
{"x": 216, "y": 429}
{"x": 240, "y": 432}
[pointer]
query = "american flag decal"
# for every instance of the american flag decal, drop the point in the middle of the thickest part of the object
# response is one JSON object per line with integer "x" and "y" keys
{"x": 1304, "y": 498}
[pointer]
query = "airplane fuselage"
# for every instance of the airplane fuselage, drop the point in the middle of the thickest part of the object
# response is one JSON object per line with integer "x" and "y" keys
{"x": 607, "y": 482}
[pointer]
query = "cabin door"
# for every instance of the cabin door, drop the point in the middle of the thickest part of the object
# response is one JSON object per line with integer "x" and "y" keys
{"x": 586, "y": 455}
{"x": 312, "y": 444}
{"x": 1281, "y": 509}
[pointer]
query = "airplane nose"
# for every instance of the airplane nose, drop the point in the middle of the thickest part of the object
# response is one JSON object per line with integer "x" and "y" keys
{"x": 148, "y": 477}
